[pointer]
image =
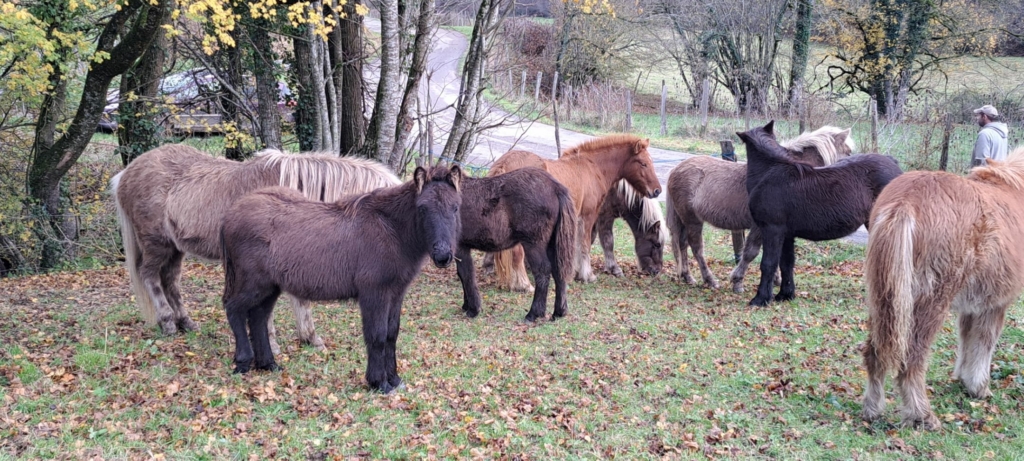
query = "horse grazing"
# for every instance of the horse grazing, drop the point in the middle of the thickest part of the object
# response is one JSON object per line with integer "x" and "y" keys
{"x": 646, "y": 222}
{"x": 938, "y": 242}
{"x": 368, "y": 247}
{"x": 789, "y": 199}
{"x": 171, "y": 202}
{"x": 588, "y": 170}
{"x": 709, "y": 190}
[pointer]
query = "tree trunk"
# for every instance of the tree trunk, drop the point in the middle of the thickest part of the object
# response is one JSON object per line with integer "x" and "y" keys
{"x": 420, "y": 49}
{"x": 138, "y": 131}
{"x": 267, "y": 93}
{"x": 353, "y": 120}
{"x": 380, "y": 136}
{"x": 801, "y": 47}
{"x": 230, "y": 101}
{"x": 51, "y": 159}
{"x": 307, "y": 122}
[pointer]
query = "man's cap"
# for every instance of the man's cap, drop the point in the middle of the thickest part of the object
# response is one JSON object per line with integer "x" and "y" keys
{"x": 987, "y": 109}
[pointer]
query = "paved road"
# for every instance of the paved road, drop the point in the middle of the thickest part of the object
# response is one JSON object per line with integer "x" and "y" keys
{"x": 444, "y": 71}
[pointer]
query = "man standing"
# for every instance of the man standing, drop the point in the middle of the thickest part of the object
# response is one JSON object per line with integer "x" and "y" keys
{"x": 991, "y": 141}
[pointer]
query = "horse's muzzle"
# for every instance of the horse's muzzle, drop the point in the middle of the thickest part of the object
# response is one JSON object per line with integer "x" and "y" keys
{"x": 442, "y": 259}
{"x": 655, "y": 193}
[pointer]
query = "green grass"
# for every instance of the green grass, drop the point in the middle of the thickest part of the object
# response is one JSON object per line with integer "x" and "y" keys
{"x": 641, "y": 368}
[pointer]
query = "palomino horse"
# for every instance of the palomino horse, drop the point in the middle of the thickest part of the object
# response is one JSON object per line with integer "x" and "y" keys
{"x": 646, "y": 222}
{"x": 171, "y": 202}
{"x": 938, "y": 242}
{"x": 588, "y": 170}
{"x": 789, "y": 199}
{"x": 368, "y": 247}
{"x": 709, "y": 190}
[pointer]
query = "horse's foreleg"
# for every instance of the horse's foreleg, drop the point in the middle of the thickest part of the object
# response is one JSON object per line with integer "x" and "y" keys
{"x": 540, "y": 265}
{"x": 391, "y": 352}
{"x": 751, "y": 248}
{"x": 471, "y": 299}
{"x": 304, "y": 328}
{"x": 695, "y": 238}
{"x": 978, "y": 336}
{"x": 606, "y": 235}
{"x": 787, "y": 262}
{"x": 772, "y": 240}
{"x": 374, "y": 307}
{"x": 874, "y": 394}
{"x": 584, "y": 272}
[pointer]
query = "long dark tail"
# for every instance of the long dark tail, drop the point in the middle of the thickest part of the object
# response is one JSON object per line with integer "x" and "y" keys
{"x": 564, "y": 240}
{"x": 132, "y": 253}
{"x": 889, "y": 269}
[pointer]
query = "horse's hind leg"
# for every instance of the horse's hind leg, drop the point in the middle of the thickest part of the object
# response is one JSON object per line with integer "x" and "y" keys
{"x": 156, "y": 258}
{"x": 541, "y": 267}
{"x": 170, "y": 278}
{"x": 679, "y": 253}
{"x": 787, "y": 262}
{"x": 772, "y": 241}
{"x": 471, "y": 299}
{"x": 259, "y": 314}
{"x": 874, "y": 395}
{"x": 928, "y": 318}
{"x": 487, "y": 265}
{"x": 304, "y": 328}
{"x": 978, "y": 336}
{"x": 751, "y": 248}
{"x": 695, "y": 238}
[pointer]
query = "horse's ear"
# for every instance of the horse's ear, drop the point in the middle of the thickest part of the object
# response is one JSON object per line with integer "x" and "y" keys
{"x": 456, "y": 178}
{"x": 743, "y": 136}
{"x": 641, "y": 144}
{"x": 770, "y": 127}
{"x": 840, "y": 137}
{"x": 420, "y": 176}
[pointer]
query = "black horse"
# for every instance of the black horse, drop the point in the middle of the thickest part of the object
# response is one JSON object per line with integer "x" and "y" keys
{"x": 528, "y": 207}
{"x": 789, "y": 199}
{"x": 368, "y": 247}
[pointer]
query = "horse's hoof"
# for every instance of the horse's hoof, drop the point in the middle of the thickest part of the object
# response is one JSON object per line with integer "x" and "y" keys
{"x": 785, "y": 297}
{"x": 759, "y": 301}
{"x": 523, "y": 288}
{"x": 615, "y": 271}
{"x": 712, "y": 284}
{"x": 689, "y": 279}
{"x": 387, "y": 388}
{"x": 471, "y": 313}
{"x": 186, "y": 324}
{"x": 929, "y": 422}
{"x": 168, "y": 328}
{"x": 737, "y": 288}
{"x": 530, "y": 318}
{"x": 272, "y": 367}
{"x": 241, "y": 369}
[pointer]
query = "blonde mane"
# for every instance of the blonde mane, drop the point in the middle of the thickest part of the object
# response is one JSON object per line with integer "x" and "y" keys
{"x": 651, "y": 214}
{"x": 822, "y": 140}
{"x": 1009, "y": 172}
{"x": 601, "y": 143}
{"x": 326, "y": 176}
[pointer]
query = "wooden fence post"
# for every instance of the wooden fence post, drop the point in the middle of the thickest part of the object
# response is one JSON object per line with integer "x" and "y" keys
{"x": 522, "y": 89}
{"x": 554, "y": 107}
{"x": 947, "y": 130}
{"x": 664, "y": 96}
{"x": 873, "y": 112}
{"x": 629, "y": 110}
{"x": 536, "y": 91}
{"x": 705, "y": 99}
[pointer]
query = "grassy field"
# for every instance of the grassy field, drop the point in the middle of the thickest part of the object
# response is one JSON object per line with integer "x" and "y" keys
{"x": 642, "y": 368}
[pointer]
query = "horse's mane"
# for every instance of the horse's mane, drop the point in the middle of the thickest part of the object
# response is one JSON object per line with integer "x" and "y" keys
{"x": 326, "y": 173}
{"x": 650, "y": 215}
{"x": 1009, "y": 172}
{"x": 601, "y": 143}
{"x": 822, "y": 140}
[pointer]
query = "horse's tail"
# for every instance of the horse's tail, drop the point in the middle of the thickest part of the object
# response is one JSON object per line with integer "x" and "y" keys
{"x": 132, "y": 252}
{"x": 564, "y": 237}
{"x": 890, "y": 281}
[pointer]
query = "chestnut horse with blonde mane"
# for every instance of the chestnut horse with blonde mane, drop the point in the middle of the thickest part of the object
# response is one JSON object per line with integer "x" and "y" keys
{"x": 171, "y": 201}
{"x": 588, "y": 170}
{"x": 941, "y": 242}
{"x": 709, "y": 190}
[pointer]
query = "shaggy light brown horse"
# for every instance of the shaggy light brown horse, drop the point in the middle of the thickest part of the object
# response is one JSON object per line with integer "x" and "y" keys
{"x": 588, "y": 170}
{"x": 646, "y": 222}
{"x": 171, "y": 202}
{"x": 366, "y": 247}
{"x": 709, "y": 190}
{"x": 941, "y": 242}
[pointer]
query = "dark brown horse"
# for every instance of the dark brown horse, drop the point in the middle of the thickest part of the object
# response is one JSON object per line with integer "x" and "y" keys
{"x": 588, "y": 170}
{"x": 705, "y": 189}
{"x": 526, "y": 207}
{"x": 646, "y": 222}
{"x": 790, "y": 199}
{"x": 368, "y": 247}
{"x": 171, "y": 202}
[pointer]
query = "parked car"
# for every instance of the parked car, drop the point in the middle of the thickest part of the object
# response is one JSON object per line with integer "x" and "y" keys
{"x": 194, "y": 95}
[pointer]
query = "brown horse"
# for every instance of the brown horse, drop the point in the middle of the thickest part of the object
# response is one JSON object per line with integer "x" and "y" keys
{"x": 939, "y": 242}
{"x": 368, "y": 247}
{"x": 588, "y": 170}
{"x": 171, "y": 202}
{"x": 646, "y": 222}
{"x": 710, "y": 190}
